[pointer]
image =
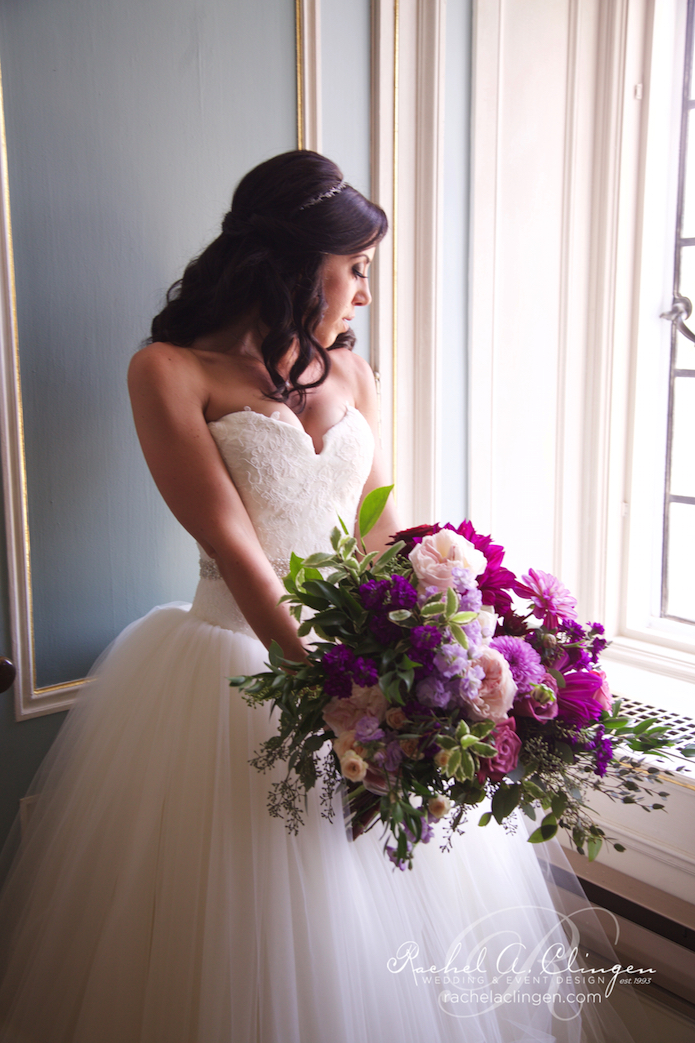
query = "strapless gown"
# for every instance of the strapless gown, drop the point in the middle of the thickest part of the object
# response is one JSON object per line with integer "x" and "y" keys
{"x": 154, "y": 900}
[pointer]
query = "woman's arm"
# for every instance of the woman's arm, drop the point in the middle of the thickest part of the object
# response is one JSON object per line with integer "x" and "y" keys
{"x": 366, "y": 402}
{"x": 169, "y": 396}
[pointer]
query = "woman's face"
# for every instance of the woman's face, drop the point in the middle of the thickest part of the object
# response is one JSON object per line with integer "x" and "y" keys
{"x": 345, "y": 287}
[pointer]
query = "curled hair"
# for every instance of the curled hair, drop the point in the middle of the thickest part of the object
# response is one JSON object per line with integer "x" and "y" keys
{"x": 287, "y": 214}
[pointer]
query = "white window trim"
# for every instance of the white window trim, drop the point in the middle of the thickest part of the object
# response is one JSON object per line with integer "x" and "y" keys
{"x": 596, "y": 316}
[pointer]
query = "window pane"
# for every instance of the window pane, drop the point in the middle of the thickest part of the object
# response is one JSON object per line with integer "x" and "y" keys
{"x": 688, "y": 225}
{"x": 681, "y": 561}
{"x": 685, "y": 355}
{"x": 682, "y": 455}
{"x": 685, "y": 349}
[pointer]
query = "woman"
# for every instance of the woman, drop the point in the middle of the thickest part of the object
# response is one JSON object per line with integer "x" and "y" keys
{"x": 154, "y": 899}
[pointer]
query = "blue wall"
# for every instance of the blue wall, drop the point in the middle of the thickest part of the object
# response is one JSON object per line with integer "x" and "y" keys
{"x": 128, "y": 126}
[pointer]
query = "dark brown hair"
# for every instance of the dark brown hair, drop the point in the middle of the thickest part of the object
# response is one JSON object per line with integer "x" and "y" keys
{"x": 270, "y": 255}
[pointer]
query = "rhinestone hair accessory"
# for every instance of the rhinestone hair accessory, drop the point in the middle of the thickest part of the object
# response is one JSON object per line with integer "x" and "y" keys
{"x": 325, "y": 195}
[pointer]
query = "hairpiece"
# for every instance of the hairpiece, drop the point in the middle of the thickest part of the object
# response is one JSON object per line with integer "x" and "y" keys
{"x": 324, "y": 195}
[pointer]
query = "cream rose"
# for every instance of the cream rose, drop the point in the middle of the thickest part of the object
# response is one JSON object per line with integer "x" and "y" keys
{"x": 395, "y": 717}
{"x": 353, "y": 767}
{"x": 437, "y": 555}
{"x": 497, "y": 689}
{"x": 439, "y": 806}
{"x": 487, "y": 617}
{"x": 441, "y": 759}
{"x": 344, "y": 742}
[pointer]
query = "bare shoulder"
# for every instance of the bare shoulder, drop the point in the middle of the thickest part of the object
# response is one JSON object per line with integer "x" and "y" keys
{"x": 162, "y": 370}
{"x": 357, "y": 373}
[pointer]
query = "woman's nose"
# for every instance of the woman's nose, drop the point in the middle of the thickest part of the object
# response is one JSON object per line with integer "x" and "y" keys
{"x": 364, "y": 294}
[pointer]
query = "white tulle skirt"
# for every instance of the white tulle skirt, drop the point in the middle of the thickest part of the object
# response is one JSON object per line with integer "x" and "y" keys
{"x": 154, "y": 900}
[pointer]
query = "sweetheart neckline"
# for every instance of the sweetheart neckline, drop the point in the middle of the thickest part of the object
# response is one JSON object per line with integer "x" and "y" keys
{"x": 247, "y": 411}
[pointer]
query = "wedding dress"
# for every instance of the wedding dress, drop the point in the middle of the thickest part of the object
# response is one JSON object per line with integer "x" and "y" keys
{"x": 154, "y": 900}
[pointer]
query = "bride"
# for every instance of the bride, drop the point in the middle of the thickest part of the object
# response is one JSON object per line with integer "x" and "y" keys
{"x": 154, "y": 900}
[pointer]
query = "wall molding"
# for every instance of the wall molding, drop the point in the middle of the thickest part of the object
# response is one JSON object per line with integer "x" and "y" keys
{"x": 308, "y": 29}
{"x": 29, "y": 700}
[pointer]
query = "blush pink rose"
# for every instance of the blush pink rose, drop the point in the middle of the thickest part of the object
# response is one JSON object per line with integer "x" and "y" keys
{"x": 497, "y": 690}
{"x": 341, "y": 715}
{"x": 437, "y": 555}
{"x": 603, "y": 694}
{"x": 507, "y": 744}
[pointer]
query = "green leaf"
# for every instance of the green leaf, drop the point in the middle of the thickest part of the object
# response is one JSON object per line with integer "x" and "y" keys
{"x": 434, "y": 608}
{"x": 558, "y": 677}
{"x": 463, "y": 617}
{"x": 485, "y": 818}
{"x": 452, "y": 601}
{"x": 454, "y": 763}
{"x": 343, "y": 526}
{"x": 457, "y": 633}
{"x": 467, "y": 765}
{"x": 372, "y": 508}
{"x": 389, "y": 554}
{"x": 295, "y": 564}
{"x": 546, "y": 831}
{"x": 399, "y": 614}
{"x": 618, "y": 847}
{"x": 461, "y": 730}
{"x": 318, "y": 559}
{"x": 593, "y": 846}
{"x": 558, "y": 804}
{"x": 276, "y": 656}
{"x": 505, "y": 800}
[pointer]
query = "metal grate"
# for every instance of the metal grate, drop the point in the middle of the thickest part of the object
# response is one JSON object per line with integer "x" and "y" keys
{"x": 682, "y": 727}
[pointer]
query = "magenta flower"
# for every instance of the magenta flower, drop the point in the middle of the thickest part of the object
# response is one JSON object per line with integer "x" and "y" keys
{"x": 551, "y": 600}
{"x": 576, "y": 702}
{"x": 496, "y": 580}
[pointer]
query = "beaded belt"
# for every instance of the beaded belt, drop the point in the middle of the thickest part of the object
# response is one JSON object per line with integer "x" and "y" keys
{"x": 209, "y": 569}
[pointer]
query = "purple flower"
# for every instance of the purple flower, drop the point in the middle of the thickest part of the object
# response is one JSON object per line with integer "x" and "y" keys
{"x": 451, "y": 659}
{"x": 432, "y": 691}
{"x": 597, "y": 646}
{"x": 426, "y": 834}
{"x": 474, "y": 633}
{"x": 464, "y": 690}
{"x": 524, "y": 661}
{"x": 393, "y": 755}
{"x": 385, "y": 630}
{"x": 574, "y": 631}
{"x": 471, "y": 600}
{"x": 603, "y": 748}
{"x": 337, "y": 663}
{"x": 551, "y": 600}
{"x": 367, "y": 729}
{"x": 403, "y": 594}
{"x": 463, "y": 579}
{"x": 364, "y": 673}
{"x": 373, "y": 592}
{"x": 597, "y": 628}
{"x": 427, "y": 636}
{"x": 399, "y": 863}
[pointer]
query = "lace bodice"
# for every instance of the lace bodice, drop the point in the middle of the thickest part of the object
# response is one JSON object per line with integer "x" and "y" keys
{"x": 293, "y": 494}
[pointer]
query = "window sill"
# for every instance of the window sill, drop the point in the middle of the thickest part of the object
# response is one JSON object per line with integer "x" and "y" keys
{"x": 651, "y": 673}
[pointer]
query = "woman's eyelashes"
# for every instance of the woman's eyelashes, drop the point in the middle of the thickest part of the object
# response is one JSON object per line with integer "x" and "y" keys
{"x": 356, "y": 271}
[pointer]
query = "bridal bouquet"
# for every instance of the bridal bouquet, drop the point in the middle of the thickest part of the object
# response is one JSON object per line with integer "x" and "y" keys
{"x": 437, "y": 691}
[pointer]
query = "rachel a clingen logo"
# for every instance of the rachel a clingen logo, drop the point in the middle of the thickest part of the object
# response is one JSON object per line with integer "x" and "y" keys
{"x": 483, "y": 971}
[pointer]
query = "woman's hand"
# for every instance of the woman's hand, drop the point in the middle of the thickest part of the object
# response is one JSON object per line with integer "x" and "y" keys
{"x": 169, "y": 397}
